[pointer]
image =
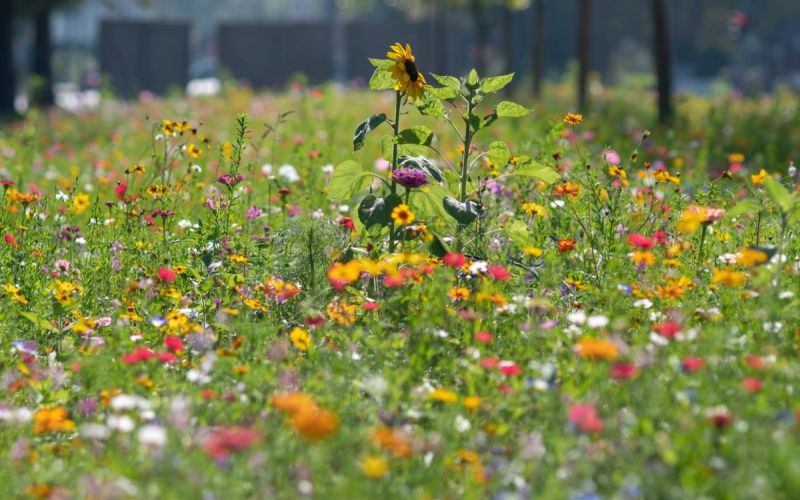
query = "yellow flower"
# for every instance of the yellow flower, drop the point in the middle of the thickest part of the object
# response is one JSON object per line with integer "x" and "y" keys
{"x": 759, "y": 178}
{"x": 458, "y": 293}
{"x": 573, "y": 119}
{"x": 615, "y": 171}
{"x": 472, "y": 403}
{"x": 533, "y": 251}
{"x": 193, "y": 151}
{"x": 54, "y": 419}
{"x": 643, "y": 258}
{"x": 750, "y": 257}
{"x": 80, "y": 203}
{"x": 402, "y": 215}
{"x": 300, "y": 338}
{"x": 443, "y": 396}
{"x": 596, "y": 349}
{"x": 532, "y": 209}
{"x": 407, "y": 76}
{"x": 728, "y": 277}
{"x": 238, "y": 258}
{"x": 374, "y": 466}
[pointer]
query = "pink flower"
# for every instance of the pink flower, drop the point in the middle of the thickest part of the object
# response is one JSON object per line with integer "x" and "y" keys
{"x": 499, "y": 273}
{"x": 585, "y": 417}
{"x": 226, "y": 440}
{"x": 167, "y": 274}
{"x": 454, "y": 260}
{"x": 484, "y": 337}
{"x": 692, "y": 364}
{"x": 640, "y": 241}
{"x": 667, "y": 330}
{"x": 752, "y": 385}
{"x": 623, "y": 371}
{"x": 510, "y": 369}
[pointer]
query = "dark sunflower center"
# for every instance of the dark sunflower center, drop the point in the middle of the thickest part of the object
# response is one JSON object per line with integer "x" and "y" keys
{"x": 412, "y": 70}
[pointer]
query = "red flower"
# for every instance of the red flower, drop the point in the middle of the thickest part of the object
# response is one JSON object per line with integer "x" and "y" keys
{"x": 755, "y": 362}
{"x": 499, "y": 273}
{"x": 138, "y": 355}
{"x": 226, "y": 440}
{"x": 173, "y": 343}
{"x": 166, "y": 357}
{"x": 371, "y": 306}
{"x": 751, "y": 384}
{"x": 585, "y": 416}
{"x": 393, "y": 281}
{"x": 454, "y": 260}
{"x": 692, "y": 364}
{"x": 623, "y": 371}
{"x": 668, "y": 329}
{"x": 510, "y": 369}
{"x": 347, "y": 222}
{"x": 484, "y": 337}
{"x": 167, "y": 274}
{"x": 120, "y": 190}
{"x": 565, "y": 245}
{"x": 489, "y": 363}
{"x": 640, "y": 241}
{"x": 11, "y": 241}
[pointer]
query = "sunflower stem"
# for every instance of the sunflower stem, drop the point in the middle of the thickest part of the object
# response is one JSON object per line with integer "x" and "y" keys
{"x": 462, "y": 197}
{"x": 396, "y": 125}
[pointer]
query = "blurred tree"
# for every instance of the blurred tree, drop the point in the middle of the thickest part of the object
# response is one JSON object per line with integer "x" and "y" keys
{"x": 7, "y": 80}
{"x": 584, "y": 53}
{"x": 663, "y": 61}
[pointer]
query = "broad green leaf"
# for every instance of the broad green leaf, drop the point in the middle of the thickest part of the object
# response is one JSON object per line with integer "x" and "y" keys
{"x": 381, "y": 80}
{"x": 463, "y": 213}
{"x": 431, "y": 106}
{"x": 387, "y": 144}
{"x": 373, "y": 210}
{"x": 442, "y": 92}
{"x": 526, "y": 167}
{"x": 518, "y": 232}
{"x": 495, "y": 83}
{"x": 428, "y": 200}
{"x": 417, "y": 135}
{"x": 499, "y": 154}
{"x": 38, "y": 321}
{"x": 348, "y": 178}
{"x": 743, "y": 207}
{"x": 382, "y": 63}
{"x": 365, "y": 128}
{"x": 449, "y": 82}
{"x": 510, "y": 109}
{"x": 778, "y": 194}
{"x": 437, "y": 246}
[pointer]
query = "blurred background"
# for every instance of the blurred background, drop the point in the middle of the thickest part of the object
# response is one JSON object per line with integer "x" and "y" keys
{"x": 72, "y": 52}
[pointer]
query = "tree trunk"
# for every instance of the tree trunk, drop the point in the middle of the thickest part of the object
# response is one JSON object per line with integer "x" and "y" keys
{"x": 663, "y": 63}
{"x": 584, "y": 32}
{"x": 42, "y": 52}
{"x": 537, "y": 39}
{"x": 7, "y": 80}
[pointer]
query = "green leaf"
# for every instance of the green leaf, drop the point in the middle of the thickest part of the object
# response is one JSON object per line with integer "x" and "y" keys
{"x": 510, "y": 109}
{"x": 417, "y": 135}
{"x": 526, "y": 167}
{"x": 499, "y": 154}
{"x": 437, "y": 247}
{"x": 365, "y": 128}
{"x": 463, "y": 213}
{"x": 421, "y": 163}
{"x": 381, "y": 80}
{"x": 348, "y": 178}
{"x": 518, "y": 232}
{"x": 449, "y": 82}
{"x": 495, "y": 83}
{"x": 779, "y": 195}
{"x": 38, "y": 321}
{"x": 387, "y": 144}
{"x": 472, "y": 79}
{"x": 373, "y": 210}
{"x": 442, "y": 92}
{"x": 743, "y": 207}
{"x": 428, "y": 200}
{"x": 382, "y": 63}
{"x": 430, "y": 106}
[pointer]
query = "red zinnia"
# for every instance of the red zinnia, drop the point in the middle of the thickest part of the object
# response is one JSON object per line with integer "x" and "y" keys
{"x": 167, "y": 274}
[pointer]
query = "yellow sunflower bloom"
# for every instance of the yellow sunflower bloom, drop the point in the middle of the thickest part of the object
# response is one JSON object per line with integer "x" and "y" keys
{"x": 409, "y": 79}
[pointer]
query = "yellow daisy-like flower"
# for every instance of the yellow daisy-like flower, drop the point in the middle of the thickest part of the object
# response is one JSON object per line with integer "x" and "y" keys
{"x": 402, "y": 215}
{"x": 405, "y": 72}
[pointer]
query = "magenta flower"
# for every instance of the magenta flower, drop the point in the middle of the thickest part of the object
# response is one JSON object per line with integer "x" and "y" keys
{"x": 410, "y": 177}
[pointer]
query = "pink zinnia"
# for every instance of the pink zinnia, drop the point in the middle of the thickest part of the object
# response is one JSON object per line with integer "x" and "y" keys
{"x": 640, "y": 241}
{"x": 499, "y": 273}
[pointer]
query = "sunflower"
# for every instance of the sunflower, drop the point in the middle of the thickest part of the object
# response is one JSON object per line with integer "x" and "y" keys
{"x": 405, "y": 72}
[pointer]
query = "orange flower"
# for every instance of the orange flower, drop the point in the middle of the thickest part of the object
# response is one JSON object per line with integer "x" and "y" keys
{"x": 567, "y": 189}
{"x": 315, "y": 424}
{"x": 394, "y": 440}
{"x": 596, "y": 349}
{"x": 565, "y": 245}
{"x": 54, "y": 419}
{"x": 573, "y": 119}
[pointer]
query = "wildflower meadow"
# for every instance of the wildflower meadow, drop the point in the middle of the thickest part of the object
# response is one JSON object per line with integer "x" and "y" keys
{"x": 428, "y": 288}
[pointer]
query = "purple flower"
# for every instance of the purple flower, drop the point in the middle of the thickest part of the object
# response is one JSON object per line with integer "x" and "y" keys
{"x": 253, "y": 213}
{"x": 410, "y": 177}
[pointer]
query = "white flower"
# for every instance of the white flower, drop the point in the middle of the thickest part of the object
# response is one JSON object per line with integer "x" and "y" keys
{"x": 289, "y": 173}
{"x": 577, "y": 317}
{"x": 478, "y": 267}
{"x": 772, "y": 326}
{"x": 266, "y": 169}
{"x": 93, "y": 431}
{"x": 121, "y": 423}
{"x": 462, "y": 425}
{"x": 62, "y": 196}
{"x": 598, "y": 321}
{"x": 643, "y": 303}
{"x": 557, "y": 204}
{"x": 787, "y": 294}
{"x": 197, "y": 168}
{"x": 327, "y": 169}
{"x": 152, "y": 435}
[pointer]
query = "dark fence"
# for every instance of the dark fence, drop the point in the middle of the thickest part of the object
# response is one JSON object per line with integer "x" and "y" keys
{"x": 144, "y": 55}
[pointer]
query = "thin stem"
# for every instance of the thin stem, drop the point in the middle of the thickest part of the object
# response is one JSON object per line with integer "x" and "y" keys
{"x": 396, "y": 126}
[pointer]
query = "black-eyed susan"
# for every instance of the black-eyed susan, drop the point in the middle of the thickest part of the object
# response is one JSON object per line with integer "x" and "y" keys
{"x": 402, "y": 215}
{"x": 407, "y": 76}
